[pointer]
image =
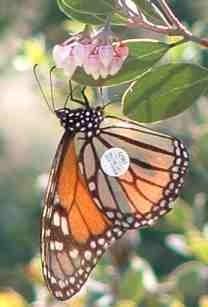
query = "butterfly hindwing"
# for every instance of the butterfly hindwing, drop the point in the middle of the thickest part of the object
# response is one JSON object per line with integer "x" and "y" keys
{"x": 158, "y": 163}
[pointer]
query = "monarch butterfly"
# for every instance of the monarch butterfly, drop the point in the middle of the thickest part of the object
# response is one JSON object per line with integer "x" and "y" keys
{"x": 109, "y": 175}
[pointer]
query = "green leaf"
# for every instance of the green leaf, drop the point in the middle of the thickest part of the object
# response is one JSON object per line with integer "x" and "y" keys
{"x": 82, "y": 17}
{"x": 89, "y": 13}
{"x": 96, "y": 13}
{"x": 164, "y": 92}
{"x": 90, "y": 6}
{"x": 143, "y": 54}
{"x": 148, "y": 10}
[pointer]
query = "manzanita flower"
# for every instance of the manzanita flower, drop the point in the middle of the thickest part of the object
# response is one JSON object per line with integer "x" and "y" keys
{"x": 105, "y": 54}
{"x": 97, "y": 54}
{"x": 122, "y": 50}
{"x": 64, "y": 58}
{"x": 115, "y": 65}
{"x": 92, "y": 65}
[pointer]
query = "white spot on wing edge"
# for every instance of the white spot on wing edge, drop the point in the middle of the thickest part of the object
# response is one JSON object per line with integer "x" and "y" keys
{"x": 72, "y": 280}
{"x": 58, "y": 246}
{"x": 56, "y": 219}
{"x": 64, "y": 226}
{"x": 88, "y": 255}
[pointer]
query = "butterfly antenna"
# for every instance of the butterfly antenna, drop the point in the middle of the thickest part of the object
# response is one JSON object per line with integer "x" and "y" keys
{"x": 51, "y": 88}
{"x": 41, "y": 88}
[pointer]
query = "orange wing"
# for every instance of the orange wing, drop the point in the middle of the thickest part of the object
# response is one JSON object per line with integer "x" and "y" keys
{"x": 158, "y": 163}
{"x": 75, "y": 232}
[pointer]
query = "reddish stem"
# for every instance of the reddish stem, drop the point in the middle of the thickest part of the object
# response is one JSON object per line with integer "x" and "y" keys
{"x": 176, "y": 28}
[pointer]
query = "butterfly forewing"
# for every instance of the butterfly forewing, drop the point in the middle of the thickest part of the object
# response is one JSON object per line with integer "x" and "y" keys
{"x": 75, "y": 233}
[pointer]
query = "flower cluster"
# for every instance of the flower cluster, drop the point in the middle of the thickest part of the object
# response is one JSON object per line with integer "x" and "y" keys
{"x": 97, "y": 55}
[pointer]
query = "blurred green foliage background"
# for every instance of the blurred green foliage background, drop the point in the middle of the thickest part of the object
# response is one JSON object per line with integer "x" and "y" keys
{"x": 166, "y": 265}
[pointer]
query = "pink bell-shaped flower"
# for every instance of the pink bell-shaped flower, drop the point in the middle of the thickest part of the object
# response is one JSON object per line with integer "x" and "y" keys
{"x": 96, "y": 54}
{"x": 70, "y": 67}
{"x": 122, "y": 50}
{"x": 116, "y": 65}
{"x": 79, "y": 53}
{"x": 92, "y": 65}
{"x": 64, "y": 58}
{"x": 105, "y": 54}
{"x": 104, "y": 71}
{"x": 60, "y": 55}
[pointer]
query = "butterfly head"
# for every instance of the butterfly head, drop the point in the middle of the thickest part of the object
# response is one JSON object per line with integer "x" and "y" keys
{"x": 81, "y": 120}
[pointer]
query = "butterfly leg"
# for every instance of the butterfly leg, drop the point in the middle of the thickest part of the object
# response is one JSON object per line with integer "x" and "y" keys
{"x": 84, "y": 103}
{"x": 85, "y": 97}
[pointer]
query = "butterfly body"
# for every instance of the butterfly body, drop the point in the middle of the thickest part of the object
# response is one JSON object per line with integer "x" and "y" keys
{"x": 81, "y": 120}
{"x": 89, "y": 205}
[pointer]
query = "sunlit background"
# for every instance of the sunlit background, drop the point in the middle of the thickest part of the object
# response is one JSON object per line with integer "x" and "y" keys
{"x": 166, "y": 265}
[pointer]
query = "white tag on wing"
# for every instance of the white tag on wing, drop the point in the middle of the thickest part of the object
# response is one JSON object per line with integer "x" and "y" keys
{"x": 115, "y": 162}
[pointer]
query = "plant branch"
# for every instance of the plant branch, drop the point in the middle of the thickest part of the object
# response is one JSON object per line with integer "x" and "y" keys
{"x": 169, "y": 13}
{"x": 172, "y": 27}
